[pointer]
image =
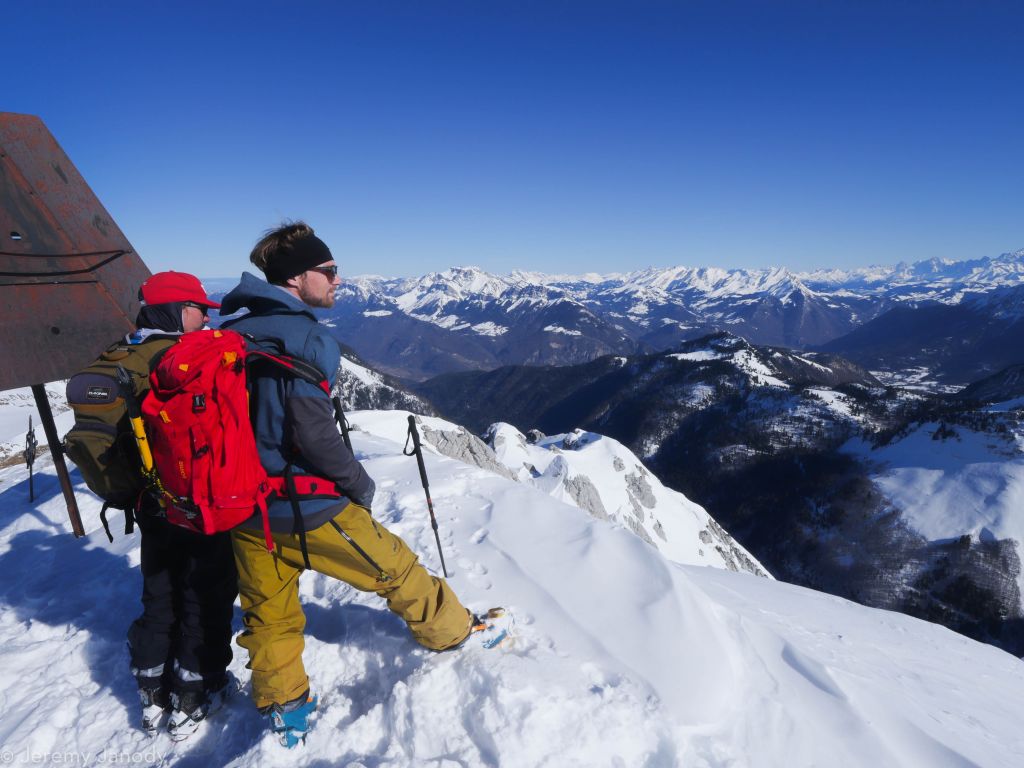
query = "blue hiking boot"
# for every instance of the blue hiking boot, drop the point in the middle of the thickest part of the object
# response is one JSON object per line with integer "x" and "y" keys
{"x": 290, "y": 722}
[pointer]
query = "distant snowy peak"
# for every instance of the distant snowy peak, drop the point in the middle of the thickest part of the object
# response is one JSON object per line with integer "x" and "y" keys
{"x": 433, "y": 292}
{"x": 465, "y": 318}
{"x": 463, "y": 282}
{"x": 936, "y": 274}
{"x": 709, "y": 283}
{"x": 673, "y": 278}
{"x": 458, "y": 299}
{"x": 705, "y": 282}
{"x": 1006, "y": 269}
{"x": 459, "y": 282}
{"x": 776, "y": 282}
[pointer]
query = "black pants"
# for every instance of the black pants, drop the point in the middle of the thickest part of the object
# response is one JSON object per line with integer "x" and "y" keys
{"x": 189, "y": 585}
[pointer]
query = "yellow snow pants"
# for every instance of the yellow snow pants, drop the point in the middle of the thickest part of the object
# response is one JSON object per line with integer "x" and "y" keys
{"x": 268, "y": 585}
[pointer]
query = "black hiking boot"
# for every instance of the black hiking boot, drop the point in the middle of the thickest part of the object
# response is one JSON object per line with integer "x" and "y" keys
{"x": 189, "y": 708}
{"x": 156, "y": 705}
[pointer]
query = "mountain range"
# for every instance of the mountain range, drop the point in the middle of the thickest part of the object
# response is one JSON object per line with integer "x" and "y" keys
{"x": 467, "y": 319}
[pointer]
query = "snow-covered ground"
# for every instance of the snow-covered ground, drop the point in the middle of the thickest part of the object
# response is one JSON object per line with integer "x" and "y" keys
{"x": 620, "y": 658}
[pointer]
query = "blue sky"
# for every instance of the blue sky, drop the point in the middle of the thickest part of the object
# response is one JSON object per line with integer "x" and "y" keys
{"x": 552, "y": 136}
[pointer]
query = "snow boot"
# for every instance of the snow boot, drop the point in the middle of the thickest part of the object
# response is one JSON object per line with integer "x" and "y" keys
{"x": 189, "y": 708}
{"x": 153, "y": 696}
{"x": 492, "y": 627}
{"x": 290, "y": 721}
{"x": 156, "y": 705}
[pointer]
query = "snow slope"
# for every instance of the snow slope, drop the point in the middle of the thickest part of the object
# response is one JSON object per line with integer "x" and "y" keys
{"x": 970, "y": 483}
{"x": 602, "y": 476}
{"x": 621, "y": 658}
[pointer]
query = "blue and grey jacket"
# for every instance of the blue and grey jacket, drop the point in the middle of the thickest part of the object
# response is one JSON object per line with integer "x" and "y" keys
{"x": 293, "y": 419}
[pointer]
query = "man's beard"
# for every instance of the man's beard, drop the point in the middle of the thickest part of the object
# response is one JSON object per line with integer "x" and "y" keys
{"x": 319, "y": 299}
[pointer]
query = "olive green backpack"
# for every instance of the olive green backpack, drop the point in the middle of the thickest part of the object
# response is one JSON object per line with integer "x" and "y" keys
{"x": 101, "y": 443}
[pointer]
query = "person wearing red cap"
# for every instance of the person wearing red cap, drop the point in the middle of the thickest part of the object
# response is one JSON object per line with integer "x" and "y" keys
{"x": 181, "y": 644}
{"x": 172, "y": 302}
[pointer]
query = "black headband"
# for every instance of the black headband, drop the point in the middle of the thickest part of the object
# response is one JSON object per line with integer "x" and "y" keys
{"x": 296, "y": 258}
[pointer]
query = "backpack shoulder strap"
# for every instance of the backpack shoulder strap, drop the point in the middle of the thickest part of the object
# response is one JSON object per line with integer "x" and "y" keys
{"x": 157, "y": 347}
{"x": 144, "y": 358}
{"x": 295, "y": 366}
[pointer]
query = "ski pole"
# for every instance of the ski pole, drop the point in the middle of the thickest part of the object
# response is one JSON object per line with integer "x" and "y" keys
{"x": 415, "y": 436}
{"x": 339, "y": 416}
{"x": 30, "y": 457}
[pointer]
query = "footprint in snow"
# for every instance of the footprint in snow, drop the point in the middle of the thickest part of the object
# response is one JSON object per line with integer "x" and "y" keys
{"x": 472, "y": 568}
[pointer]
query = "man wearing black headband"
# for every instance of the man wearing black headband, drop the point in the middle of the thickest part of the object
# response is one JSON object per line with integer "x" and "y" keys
{"x": 294, "y": 425}
{"x": 300, "y": 262}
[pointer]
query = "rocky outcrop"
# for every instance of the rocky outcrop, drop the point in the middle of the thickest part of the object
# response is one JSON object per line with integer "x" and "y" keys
{"x": 466, "y": 447}
{"x": 585, "y": 495}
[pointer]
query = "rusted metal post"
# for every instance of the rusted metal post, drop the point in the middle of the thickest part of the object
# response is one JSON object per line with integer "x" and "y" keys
{"x": 46, "y": 416}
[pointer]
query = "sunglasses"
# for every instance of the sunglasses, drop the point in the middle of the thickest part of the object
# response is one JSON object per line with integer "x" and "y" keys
{"x": 330, "y": 272}
{"x": 192, "y": 304}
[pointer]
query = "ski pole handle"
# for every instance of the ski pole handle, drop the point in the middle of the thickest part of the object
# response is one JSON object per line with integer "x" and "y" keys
{"x": 414, "y": 433}
{"x": 30, "y": 444}
{"x": 30, "y": 457}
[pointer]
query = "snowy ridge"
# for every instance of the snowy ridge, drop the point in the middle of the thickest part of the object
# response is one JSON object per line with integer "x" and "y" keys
{"x": 774, "y": 367}
{"x": 595, "y": 473}
{"x": 603, "y": 477}
{"x": 986, "y": 273}
{"x": 620, "y": 656}
{"x": 362, "y": 387}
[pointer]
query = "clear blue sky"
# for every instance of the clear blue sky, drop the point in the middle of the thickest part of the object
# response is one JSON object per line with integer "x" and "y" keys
{"x": 554, "y": 136}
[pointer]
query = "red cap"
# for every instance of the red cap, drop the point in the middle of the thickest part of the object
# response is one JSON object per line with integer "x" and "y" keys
{"x": 165, "y": 287}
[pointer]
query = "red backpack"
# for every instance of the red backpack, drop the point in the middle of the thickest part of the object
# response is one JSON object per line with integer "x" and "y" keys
{"x": 204, "y": 450}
